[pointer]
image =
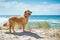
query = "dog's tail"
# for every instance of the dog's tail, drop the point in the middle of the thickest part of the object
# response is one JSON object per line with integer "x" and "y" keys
{"x": 6, "y": 24}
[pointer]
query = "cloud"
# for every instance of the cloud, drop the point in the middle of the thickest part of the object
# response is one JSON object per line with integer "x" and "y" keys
{"x": 47, "y": 9}
{"x": 17, "y": 8}
{"x": 12, "y": 8}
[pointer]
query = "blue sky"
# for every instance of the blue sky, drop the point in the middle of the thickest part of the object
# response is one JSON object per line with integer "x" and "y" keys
{"x": 38, "y": 7}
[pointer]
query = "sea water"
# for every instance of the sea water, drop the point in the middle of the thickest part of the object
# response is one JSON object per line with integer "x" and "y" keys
{"x": 54, "y": 20}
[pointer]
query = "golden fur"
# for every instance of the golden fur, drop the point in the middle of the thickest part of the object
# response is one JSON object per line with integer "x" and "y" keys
{"x": 5, "y": 25}
{"x": 21, "y": 21}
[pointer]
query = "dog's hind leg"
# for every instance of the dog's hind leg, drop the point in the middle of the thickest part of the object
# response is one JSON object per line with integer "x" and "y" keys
{"x": 10, "y": 28}
{"x": 10, "y": 25}
{"x": 13, "y": 28}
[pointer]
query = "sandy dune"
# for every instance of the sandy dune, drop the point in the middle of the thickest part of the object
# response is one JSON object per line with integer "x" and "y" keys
{"x": 35, "y": 34}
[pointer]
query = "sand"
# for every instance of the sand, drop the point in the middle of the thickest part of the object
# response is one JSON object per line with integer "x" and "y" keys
{"x": 34, "y": 34}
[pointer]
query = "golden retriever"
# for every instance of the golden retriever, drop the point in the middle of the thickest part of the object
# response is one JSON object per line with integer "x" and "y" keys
{"x": 21, "y": 21}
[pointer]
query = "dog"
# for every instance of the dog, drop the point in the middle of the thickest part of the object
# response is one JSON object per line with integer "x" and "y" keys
{"x": 21, "y": 21}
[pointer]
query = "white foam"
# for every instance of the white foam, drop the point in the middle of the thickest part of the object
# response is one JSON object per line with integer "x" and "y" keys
{"x": 54, "y": 21}
{"x": 37, "y": 20}
{"x": 3, "y": 20}
{"x": 51, "y": 21}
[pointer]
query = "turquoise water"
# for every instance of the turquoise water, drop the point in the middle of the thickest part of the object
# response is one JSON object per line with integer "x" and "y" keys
{"x": 39, "y": 17}
{"x": 54, "y": 20}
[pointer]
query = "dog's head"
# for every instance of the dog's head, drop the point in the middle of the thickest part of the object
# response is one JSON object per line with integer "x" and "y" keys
{"x": 27, "y": 13}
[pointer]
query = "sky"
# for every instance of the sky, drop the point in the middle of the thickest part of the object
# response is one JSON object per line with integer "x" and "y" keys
{"x": 38, "y": 7}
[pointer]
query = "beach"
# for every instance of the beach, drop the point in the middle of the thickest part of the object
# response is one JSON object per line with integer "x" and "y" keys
{"x": 34, "y": 34}
{"x": 34, "y": 30}
{"x": 29, "y": 19}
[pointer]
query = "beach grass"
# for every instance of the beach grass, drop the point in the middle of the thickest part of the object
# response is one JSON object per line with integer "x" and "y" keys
{"x": 0, "y": 28}
{"x": 30, "y": 25}
{"x": 52, "y": 33}
{"x": 45, "y": 25}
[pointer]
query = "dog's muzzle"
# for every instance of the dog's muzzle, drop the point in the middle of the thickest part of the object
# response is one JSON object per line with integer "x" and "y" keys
{"x": 31, "y": 12}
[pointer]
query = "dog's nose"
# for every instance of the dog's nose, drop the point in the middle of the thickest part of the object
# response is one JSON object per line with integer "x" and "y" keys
{"x": 31, "y": 12}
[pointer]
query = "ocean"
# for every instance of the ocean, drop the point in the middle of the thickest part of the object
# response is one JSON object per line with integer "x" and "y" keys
{"x": 54, "y": 20}
{"x": 38, "y": 17}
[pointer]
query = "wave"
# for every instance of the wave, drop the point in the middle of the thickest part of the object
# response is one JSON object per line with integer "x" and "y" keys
{"x": 3, "y": 20}
{"x": 55, "y": 21}
{"x": 37, "y": 20}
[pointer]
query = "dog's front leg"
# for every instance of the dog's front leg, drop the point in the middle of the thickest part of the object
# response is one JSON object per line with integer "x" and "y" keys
{"x": 23, "y": 28}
